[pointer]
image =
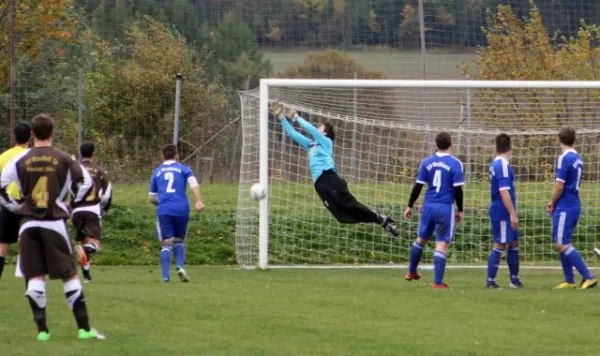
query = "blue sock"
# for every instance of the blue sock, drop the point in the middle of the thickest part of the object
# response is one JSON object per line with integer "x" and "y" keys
{"x": 415, "y": 257}
{"x": 575, "y": 258}
{"x": 512, "y": 259}
{"x": 439, "y": 266}
{"x": 567, "y": 268}
{"x": 165, "y": 261}
{"x": 179, "y": 250}
{"x": 493, "y": 264}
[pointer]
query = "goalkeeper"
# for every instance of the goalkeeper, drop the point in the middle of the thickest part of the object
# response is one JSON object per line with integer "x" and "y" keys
{"x": 332, "y": 189}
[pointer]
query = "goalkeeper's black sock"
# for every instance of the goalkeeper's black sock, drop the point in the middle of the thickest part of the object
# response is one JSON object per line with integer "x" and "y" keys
{"x": 2, "y": 261}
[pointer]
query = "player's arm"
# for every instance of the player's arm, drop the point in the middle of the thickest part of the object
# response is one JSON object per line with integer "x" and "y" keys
{"x": 81, "y": 181}
{"x": 106, "y": 197}
{"x": 153, "y": 193}
{"x": 313, "y": 131}
{"x": 195, "y": 187}
{"x": 293, "y": 134}
{"x": 559, "y": 184}
{"x": 9, "y": 175}
{"x": 458, "y": 180}
{"x": 416, "y": 191}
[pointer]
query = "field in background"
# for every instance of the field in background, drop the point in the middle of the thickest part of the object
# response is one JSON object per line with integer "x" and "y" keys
{"x": 394, "y": 64}
{"x": 349, "y": 312}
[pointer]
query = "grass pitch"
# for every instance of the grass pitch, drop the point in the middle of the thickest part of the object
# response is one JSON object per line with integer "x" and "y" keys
{"x": 306, "y": 312}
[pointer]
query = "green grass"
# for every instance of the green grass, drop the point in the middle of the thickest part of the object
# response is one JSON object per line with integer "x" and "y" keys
{"x": 394, "y": 64}
{"x": 303, "y": 312}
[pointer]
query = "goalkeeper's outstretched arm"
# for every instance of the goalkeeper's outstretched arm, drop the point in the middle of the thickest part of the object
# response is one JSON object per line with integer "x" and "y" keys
{"x": 295, "y": 135}
{"x": 314, "y": 132}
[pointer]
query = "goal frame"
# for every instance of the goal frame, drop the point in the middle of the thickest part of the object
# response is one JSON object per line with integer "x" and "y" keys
{"x": 265, "y": 84}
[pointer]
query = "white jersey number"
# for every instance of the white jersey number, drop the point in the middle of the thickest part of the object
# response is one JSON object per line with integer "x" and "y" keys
{"x": 437, "y": 181}
{"x": 171, "y": 179}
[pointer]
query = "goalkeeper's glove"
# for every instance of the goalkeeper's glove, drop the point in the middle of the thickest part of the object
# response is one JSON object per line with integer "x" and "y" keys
{"x": 277, "y": 109}
{"x": 291, "y": 113}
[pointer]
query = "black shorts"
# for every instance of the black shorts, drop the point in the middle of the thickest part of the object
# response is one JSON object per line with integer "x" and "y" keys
{"x": 45, "y": 249}
{"x": 9, "y": 226}
{"x": 87, "y": 224}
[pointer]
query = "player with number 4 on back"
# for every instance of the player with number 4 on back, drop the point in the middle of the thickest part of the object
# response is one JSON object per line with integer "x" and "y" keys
{"x": 168, "y": 193}
{"x": 443, "y": 174}
{"x": 565, "y": 208}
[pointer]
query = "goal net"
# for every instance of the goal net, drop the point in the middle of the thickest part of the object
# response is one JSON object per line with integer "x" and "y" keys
{"x": 383, "y": 131}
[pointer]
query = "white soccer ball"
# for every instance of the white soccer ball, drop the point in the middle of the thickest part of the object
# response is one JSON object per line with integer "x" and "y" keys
{"x": 258, "y": 192}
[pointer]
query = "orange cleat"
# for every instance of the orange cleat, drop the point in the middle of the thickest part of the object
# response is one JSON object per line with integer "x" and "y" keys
{"x": 440, "y": 286}
{"x": 81, "y": 256}
{"x": 410, "y": 276}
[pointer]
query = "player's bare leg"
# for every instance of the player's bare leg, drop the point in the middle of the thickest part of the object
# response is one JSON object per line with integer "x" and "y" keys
{"x": 415, "y": 257}
{"x": 512, "y": 259}
{"x": 494, "y": 265}
{"x": 3, "y": 253}
{"x": 88, "y": 247}
{"x": 36, "y": 295}
{"x": 439, "y": 262}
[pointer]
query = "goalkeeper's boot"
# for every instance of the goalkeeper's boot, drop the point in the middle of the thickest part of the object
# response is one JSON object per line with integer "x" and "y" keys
{"x": 492, "y": 285}
{"x": 183, "y": 276}
{"x": 566, "y": 285}
{"x": 81, "y": 255}
{"x": 390, "y": 226}
{"x": 409, "y": 276}
{"x": 43, "y": 336}
{"x": 516, "y": 285}
{"x": 89, "y": 335}
{"x": 588, "y": 283}
{"x": 440, "y": 286}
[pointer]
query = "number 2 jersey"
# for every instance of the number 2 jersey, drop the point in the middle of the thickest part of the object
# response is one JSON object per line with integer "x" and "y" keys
{"x": 441, "y": 172}
{"x": 569, "y": 168}
{"x": 45, "y": 175}
{"x": 168, "y": 183}
{"x": 502, "y": 178}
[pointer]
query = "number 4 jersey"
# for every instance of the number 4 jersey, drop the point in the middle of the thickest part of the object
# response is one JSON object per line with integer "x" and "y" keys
{"x": 45, "y": 176}
{"x": 169, "y": 182}
{"x": 441, "y": 172}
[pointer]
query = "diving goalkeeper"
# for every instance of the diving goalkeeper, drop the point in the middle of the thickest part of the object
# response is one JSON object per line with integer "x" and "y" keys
{"x": 332, "y": 189}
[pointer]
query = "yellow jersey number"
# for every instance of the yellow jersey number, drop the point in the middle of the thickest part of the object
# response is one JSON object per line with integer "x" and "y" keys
{"x": 40, "y": 193}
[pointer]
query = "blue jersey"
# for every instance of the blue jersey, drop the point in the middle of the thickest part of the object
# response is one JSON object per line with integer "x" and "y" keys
{"x": 320, "y": 148}
{"x": 502, "y": 177}
{"x": 169, "y": 182}
{"x": 569, "y": 168}
{"x": 441, "y": 172}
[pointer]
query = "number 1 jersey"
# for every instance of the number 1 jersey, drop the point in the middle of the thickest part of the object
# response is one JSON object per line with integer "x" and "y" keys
{"x": 441, "y": 172}
{"x": 169, "y": 183}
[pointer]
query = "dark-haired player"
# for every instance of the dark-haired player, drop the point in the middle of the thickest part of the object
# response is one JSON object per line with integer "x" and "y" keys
{"x": 332, "y": 189}
{"x": 45, "y": 175}
{"x": 9, "y": 222}
{"x": 503, "y": 215}
{"x": 443, "y": 174}
{"x": 168, "y": 192}
{"x": 565, "y": 208}
{"x": 87, "y": 214}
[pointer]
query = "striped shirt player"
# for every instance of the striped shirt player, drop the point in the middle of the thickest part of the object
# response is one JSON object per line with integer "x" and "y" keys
{"x": 87, "y": 214}
{"x": 10, "y": 222}
{"x": 45, "y": 175}
{"x": 503, "y": 215}
{"x": 443, "y": 175}
{"x": 565, "y": 207}
{"x": 168, "y": 192}
{"x": 331, "y": 188}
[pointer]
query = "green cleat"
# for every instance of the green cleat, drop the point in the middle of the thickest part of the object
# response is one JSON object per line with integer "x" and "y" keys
{"x": 92, "y": 334}
{"x": 43, "y": 336}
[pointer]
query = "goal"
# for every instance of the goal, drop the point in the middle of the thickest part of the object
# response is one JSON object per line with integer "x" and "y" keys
{"x": 384, "y": 128}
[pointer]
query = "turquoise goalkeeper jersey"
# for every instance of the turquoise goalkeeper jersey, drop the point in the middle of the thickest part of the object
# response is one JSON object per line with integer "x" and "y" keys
{"x": 320, "y": 148}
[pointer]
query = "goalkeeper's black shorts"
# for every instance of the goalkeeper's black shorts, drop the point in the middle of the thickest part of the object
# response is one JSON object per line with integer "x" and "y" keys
{"x": 334, "y": 193}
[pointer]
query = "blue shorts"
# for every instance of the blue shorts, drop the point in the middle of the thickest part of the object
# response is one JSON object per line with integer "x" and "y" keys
{"x": 563, "y": 224}
{"x": 170, "y": 226}
{"x": 503, "y": 232}
{"x": 438, "y": 218}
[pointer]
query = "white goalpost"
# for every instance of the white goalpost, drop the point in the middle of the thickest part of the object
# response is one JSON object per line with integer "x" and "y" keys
{"x": 384, "y": 128}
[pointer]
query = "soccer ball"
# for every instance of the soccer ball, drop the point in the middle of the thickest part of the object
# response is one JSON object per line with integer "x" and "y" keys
{"x": 258, "y": 192}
